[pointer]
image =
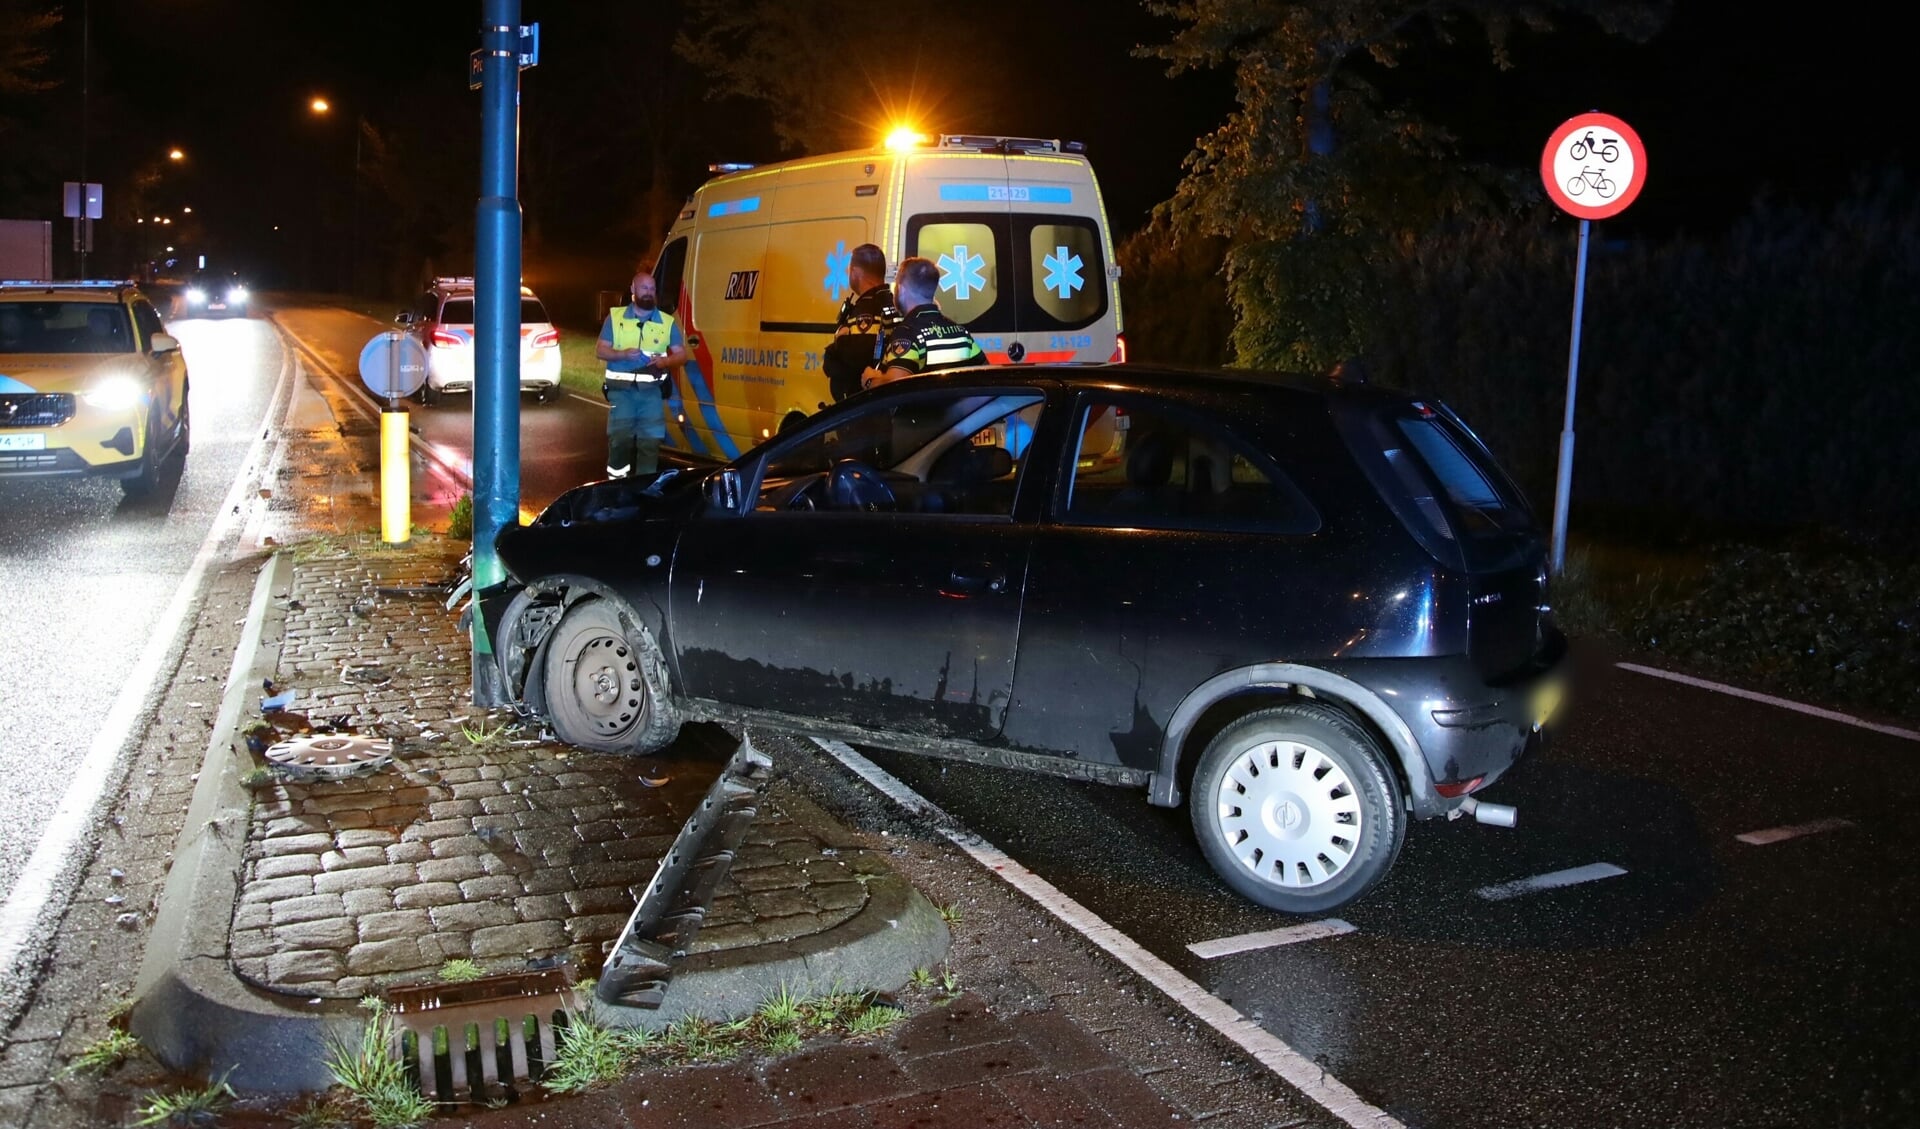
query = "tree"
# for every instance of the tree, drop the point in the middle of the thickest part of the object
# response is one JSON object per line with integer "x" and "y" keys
{"x": 835, "y": 74}
{"x": 1315, "y": 177}
{"x": 24, "y": 27}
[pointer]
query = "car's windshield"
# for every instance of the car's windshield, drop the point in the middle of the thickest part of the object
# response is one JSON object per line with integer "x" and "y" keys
{"x": 64, "y": 327}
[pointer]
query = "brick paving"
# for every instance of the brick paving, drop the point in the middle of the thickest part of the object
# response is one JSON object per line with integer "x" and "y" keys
{"x": 498, "y": 851}
{"x": 957, "y": 1065}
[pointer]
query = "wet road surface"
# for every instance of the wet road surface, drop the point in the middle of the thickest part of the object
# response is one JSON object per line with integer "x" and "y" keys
{"x": 562, "y": 442}
{"x": 1714, "y": 983}
{"x": 88, "y": 573}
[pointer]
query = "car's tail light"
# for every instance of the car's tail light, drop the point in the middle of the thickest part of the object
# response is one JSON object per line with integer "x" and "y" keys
{"x": 444, "y": 339}
{"x": 1450, "y": 791}
{"x": 546, "y": 339}
{"x": 1119, "y": 349}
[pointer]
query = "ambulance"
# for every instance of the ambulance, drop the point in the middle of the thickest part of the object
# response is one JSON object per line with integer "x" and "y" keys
{"x": 755, "y": 267}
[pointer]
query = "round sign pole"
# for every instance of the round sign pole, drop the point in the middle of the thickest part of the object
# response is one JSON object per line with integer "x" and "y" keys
{"x": 1593, "y": 167}
{"x": 396, "y": 472}
{"x": 393, "y": 365}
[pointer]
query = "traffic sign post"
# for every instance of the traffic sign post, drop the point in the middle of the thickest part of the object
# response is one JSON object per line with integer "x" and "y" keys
{"x": 393, "y": 366}
{"x": 1593, "y": 167}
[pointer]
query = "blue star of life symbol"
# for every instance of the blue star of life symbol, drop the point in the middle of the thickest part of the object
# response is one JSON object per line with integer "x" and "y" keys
{"x": 837, "y": 261}
{"x": 960, "y": 272}
{"x": 1063, "y": 272}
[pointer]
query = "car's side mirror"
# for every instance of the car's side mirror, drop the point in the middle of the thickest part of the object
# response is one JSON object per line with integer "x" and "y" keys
{"x": 723, "y": 490}
{"x": 163, "y": 343}
{"x": 404, "y": 317}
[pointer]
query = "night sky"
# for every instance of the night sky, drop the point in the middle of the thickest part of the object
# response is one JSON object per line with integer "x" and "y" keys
{"x": 1727, "y": 103}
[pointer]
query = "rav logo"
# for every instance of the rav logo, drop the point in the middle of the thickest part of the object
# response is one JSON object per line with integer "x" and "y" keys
{"x": 1489, "y": 598}
{"x": 741, "y": 284}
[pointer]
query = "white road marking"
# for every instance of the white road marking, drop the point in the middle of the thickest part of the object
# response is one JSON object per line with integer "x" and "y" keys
{"x": 1768, "y": 699}
{"x": 98, "y": 769}
{"x": 1592, "y": 872}
{"x": 1270, "y": 938}
{"x": 1794, "y": 831}
{"x": 1271, "y": 1052}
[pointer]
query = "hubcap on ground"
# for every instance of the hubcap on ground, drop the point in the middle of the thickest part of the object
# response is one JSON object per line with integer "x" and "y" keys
{"x": 606, "y": 683}
{"x": 1289, "y": 813}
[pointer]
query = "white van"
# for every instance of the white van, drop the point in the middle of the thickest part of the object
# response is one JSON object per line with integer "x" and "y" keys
{"x": 756, "y": 268}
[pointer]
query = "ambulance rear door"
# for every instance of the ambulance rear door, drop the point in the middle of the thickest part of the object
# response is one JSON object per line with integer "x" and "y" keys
{"x": 1065, "y": 303}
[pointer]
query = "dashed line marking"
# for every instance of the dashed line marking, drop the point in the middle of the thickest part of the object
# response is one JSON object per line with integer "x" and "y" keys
{"x": 1792, "y": 831}
{"x": 1768, "y": 699}
{"x": 1269, "y": 1050}
{"x": 1592, "y": 872}
{"x": 1269, "y": 938}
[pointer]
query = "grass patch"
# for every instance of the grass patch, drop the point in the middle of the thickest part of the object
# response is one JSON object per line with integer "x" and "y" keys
{"x": 327, "y": 1112}
{"x": 1805, "y": 618}
{"x": 375, "y": 1079}
{"x": 460, "y": 518}
{"x": 580, "y": 370}
{"x": 591, "y": 1055}
{"x": 185, "y": 1107}
{"x": 480, "y": 735}
{"x": 951, "y": 915}
{"x": 459, "y": 970}
{"x": 104, "y": 1053}
{"x": 257, "y": 778}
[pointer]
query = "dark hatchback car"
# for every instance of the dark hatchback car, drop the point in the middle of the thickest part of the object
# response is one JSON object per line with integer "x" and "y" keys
{"x": 1309, "y": 610}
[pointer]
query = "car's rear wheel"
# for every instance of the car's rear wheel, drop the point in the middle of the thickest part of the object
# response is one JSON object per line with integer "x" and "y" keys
{"x": 1296, "y": 808}
{"x": 428, "y": 395}
{"x": 606, "y": 684}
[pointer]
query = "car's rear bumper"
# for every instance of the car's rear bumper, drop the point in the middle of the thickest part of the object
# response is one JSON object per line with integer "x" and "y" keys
{"x": 1469, "y": 733}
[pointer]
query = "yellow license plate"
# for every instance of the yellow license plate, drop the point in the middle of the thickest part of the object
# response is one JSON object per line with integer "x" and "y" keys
{"x": 1546, "y": 699}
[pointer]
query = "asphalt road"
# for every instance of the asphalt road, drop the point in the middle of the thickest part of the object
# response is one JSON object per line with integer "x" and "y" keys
{"x": 1714, "y": 983}
{"x": 90, "y": 572}
{"x": 562, "y": 442}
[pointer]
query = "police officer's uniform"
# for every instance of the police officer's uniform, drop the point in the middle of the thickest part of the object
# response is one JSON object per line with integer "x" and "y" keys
{"x": 635, "y": 389}
{"x": 864, "y": 322}
{"x": 926, "y": 340}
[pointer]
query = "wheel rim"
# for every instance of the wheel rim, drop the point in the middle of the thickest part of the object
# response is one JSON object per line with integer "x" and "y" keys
{"x": 1289, "y": 814}
{"x": 606, "y": 684}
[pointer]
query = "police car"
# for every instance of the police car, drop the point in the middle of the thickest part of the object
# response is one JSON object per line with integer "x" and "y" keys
{"x": 91, "y": 385}
{"x": 442, "y": 318}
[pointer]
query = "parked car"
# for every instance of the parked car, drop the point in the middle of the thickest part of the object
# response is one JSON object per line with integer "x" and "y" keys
{"x": 443, "y": 320}
{"x": 90, "y": 384}
{"x": 1307, "y": 609}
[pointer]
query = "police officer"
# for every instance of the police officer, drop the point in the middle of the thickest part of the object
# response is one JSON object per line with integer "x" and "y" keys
{"x": 926, "y": 340}
{"x": 865, "y": 317}
{"x": 642, "y": 347}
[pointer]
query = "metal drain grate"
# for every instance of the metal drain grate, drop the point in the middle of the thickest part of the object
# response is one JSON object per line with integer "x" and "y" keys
{"x": 482, "y": 1039}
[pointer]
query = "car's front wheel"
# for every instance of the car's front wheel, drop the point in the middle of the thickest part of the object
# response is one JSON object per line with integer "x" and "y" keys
{"x": 146, "y": 479}
{"x": 606, "y": 685}
{"x": 1296, "y": 808}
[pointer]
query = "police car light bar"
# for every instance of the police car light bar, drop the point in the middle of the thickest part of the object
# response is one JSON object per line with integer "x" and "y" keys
{"x": 730, "y": 166}
{"x": 66, "y": 284}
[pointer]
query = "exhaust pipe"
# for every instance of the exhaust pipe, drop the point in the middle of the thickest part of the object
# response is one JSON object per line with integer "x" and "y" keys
{"x": 1493, "y": 815}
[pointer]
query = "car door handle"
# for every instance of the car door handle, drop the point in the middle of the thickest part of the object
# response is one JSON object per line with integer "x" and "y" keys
{"x": 970, "y": 581}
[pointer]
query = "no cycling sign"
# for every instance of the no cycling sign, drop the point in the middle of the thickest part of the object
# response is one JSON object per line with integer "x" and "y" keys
{"x": 1593, "y": 166}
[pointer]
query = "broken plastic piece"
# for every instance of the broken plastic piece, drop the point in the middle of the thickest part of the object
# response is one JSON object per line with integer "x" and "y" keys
{"x": 277, "y": 702}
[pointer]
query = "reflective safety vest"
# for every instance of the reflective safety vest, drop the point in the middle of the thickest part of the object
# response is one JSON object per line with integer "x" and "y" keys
{"x": 656, "y": 337}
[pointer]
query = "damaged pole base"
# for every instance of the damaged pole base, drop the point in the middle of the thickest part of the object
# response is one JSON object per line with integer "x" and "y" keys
{"x": 675, "y": 903}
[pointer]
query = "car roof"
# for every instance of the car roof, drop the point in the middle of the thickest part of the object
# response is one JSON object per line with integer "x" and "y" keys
{"x": 1157, "y": 379}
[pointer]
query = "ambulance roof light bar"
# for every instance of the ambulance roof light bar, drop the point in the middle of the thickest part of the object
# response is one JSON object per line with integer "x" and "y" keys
{"x": 993, "y": 143}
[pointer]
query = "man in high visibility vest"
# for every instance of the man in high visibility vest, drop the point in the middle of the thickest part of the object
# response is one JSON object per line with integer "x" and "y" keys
{"x": 643, "y": 347}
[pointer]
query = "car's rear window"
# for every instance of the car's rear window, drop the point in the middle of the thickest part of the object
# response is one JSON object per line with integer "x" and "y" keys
{"x": 1476, "y": 496}
{"x": 64, "y": 327}
{"x": 459, "y": 311}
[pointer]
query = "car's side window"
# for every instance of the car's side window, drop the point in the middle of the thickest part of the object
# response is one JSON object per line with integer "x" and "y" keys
{"x": 1142, "y": 464}
{"x": 956, "y": 453}
{"x": 147, "y": 320}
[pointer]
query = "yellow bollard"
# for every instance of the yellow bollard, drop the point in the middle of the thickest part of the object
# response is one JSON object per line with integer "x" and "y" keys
{"x": 396, "y": 486}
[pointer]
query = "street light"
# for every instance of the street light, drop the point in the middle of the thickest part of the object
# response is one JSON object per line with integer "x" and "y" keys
{"x": 176, "y": 155}
{"x": 321, "y": 108}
